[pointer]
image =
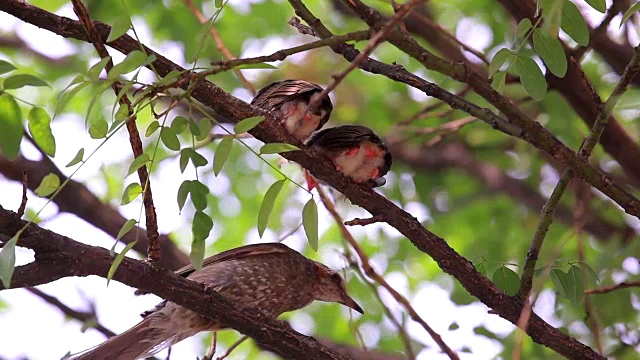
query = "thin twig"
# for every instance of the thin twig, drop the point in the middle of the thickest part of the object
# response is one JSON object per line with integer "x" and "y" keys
{"x": 546, "y": 216}
{"x": 233, "y": 347}
{"x": 368, "y": 269}
{"x": 219, "y": 44}
{"x": 432, "y": 107}
{"x": 364, "y": 222}
{"x": 23, "y": 202}
{"x": 153, "y": 250}
{"x": 376, "y": 40}
{"x": 608, "y": 289}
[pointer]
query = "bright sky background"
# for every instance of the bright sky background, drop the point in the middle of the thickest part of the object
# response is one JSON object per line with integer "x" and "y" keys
{"x": 31, "y": 328}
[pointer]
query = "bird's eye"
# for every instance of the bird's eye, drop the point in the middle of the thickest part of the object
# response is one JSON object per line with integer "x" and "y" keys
{"x": 336, "y": 277}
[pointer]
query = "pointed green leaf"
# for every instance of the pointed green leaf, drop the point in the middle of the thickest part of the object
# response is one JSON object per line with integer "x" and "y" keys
{"x": 179, "y": 124}
{"x": 6, "y": 67}
{"x": 118, "y": 259}
{"x": 256, "y": 66}
{"x": 576, "y": 279}
{"x": 550, "y": 50}
{"x": 201, "y": 227}
{"x": 122, "y": 113}
{"x": 222, "y": 153}
{"x": 126, "y": 228}
{"x": 99, "y": 129}
{"x": 198, "y": 160}
{"x": 172, "y": 76}
{"x": 574, "y": 24}
{"x": 22, "y": 80}
{"x": 155, "y": 125}
{"x": 499, "y": 59}
{"x": 499, "y": 80}
{"x": 310, "y": 223}
{"x": 67, "y": 95}
{"x": 599, "y": 5}
{"x": 134, "y": 60}
{"x": 193, "y": 127}
{"x": 130, "y": 193}
{"x": 507, "y": 280}
{"x": 185, "y": 155}
{"x": 8, "y": 260}
{"x": 11, "y": 125}
{"x": 205, "y": 128}
{"x": 199, "y": 192}
{"x": 218, "y": 4}
{"x": 531, "y": 77}
{"x": 588, "y": 270}
{"x": 183, "y": 192}
{"x": 267, "y": 205}
{"x": 169, "y": 138}
{"x": 248, "y": 124}
{"x": 630, "y": 11}
{"x": 76, "y": 159}
{"x": 119, "y": 27}
{"x": 40, "y": 129}
{"x": 558, "y": 278}
{"x": 94, "y": 71}
{"x": 49, "y": 184}
{"x": 275, "y": 148}
{"x": 552, "y": 10}
{"x": 522, "y": 30}
{"x": 137, "y": 163}
{"x": 197, "y": 252}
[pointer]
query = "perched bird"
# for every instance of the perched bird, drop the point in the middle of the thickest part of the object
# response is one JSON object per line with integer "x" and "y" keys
{"x": 355, "y": 150}
{"x": 289, "y": 100}
{"x": 269, "y": 277}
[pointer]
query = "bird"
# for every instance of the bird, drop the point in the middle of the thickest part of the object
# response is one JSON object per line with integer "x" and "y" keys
{"x": 270, "y": 277}
{"x": 355, "y": 150}
{"x": 288, "y": 100}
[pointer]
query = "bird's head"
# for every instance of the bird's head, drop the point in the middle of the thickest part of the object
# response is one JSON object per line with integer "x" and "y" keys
{"x": 330, "y": 287}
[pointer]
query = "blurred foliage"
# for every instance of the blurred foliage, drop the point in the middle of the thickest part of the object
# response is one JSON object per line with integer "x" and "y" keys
{"x": 486, "y": 226}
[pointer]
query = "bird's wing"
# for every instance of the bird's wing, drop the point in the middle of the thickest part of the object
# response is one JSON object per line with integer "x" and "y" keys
{"x": 238, "y": 253}
{"x": 279, "y": 92}
{"x": 342, "y": 137}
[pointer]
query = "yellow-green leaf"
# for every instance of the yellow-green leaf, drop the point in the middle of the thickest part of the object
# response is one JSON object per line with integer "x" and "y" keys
{"x": 248, "y": 124}
{"x": 155, "y": 125}
{"x": 40, "y": 129}
{"x": 499, "y": 59}
{"x": 8, "y": 260}
{"x": 22, "y": 80}
{"x": 169, "y": 138}
{"x": 94, "y": 71}
{"x": 11, "y": 125}
{"x": 179, "y": 123}
{"x": 599, "y": 5}
{"x": 183, "y": 192}
{"x": 222, "y": 153}
{"x": 507, "y": 280}
{"x": 126, "y": 228}
{"x": 134, "y": 60}
{"x": 99, "y": 129}
{"x": 76, "y": 159}
{"x": 118, "y": 259}
{"x": 310, "y": 223}
{"x": 274, "y": 148}
{"x": 130, "y": 193}
{"x": 630, "y": 11}
{"x": 137, "y": 163}
{"x": 267, "y": 205}
{"x": 119, "y": 27}
{"x": 49, "y": 184}
{"x": 6, "y": 67}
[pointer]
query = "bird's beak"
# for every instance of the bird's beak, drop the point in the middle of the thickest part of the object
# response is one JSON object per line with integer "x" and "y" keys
{"x": 352, "y": 304}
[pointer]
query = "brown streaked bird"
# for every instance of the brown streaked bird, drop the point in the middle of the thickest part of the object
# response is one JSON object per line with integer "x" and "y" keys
{"x": 288, "y": 100}
{"x": 269, "y": 277}
{"x": 355, "y": 150}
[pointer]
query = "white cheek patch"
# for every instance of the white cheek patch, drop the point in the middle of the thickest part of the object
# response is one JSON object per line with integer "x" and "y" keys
{"x": 298, "y": 121}
{"x": 359, "y": 166}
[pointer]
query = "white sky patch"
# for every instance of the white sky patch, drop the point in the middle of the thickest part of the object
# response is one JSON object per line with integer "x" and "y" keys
{"x": 475, "y": 35}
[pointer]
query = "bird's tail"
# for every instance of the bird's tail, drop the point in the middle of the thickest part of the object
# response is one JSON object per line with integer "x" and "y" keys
{"x": 150, "y": 336}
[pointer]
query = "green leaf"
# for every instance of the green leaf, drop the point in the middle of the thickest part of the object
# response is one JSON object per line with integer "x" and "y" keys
{"x": 205, "y": 128}
{"x": 49, "y": 184}
{"x": 274, "y": 148}
{"x": 134, "y": 60}
{"x": 248, "y": 124}
{"x": 122, "y": 113}
{"x": 482, "y": 269}
{"x": 627, "y": 14}
{"x": 185, "y": 154}
{"x": 66, "y": 96}
{"x": 126, "y": 228}
{"x": 218, "y": 4}
{"x": 183, "y": 192}
{"x": 119, "y": 27}
{"x": 118, "y": 259}
{"x": 193, "y": 127}
{"x": 550, "y": 50}
{"x": 222, "y": 153}
{"x": 256, "y": 66}
{"x": 169, "y": 138}
{"x": 573, "y": 23}
{"x": 310, "y": 223}
{"x": 575, "y": 293}
{"x": 130, "y": 193}
{"x": 202, "y": 225}
{"x": 8, "y": 260}
{"x": 172, "y": 76}
{"x": 531, "y": 77}
{"x": 499, "y": 59}
{"x": 507, "y": 280}
{"x": 155, "y": 125}
{"x": 589, "y": 270}
{"x": 40, "y": 129}
{"x": 197, "y": 252}
{"x": 22, "y": 80}
{"x": 199, "y": 193}
{"x": 599, "y": 5}
{"x": 76, "y": 159}
{"x": 499, "y": 81}
{"x": 11, "y": 125}
{"x": 179, "y": 124}
{"x": 99, "y": 129}
{"x": 558, "y": 278}
{"x": 197, "y": 159}
{"x": 6, "y": 67}
{"x": 94, "y": 71}
{"x": 522, "y": 30}
{"x": 137, "y": 163}
{"x": 267, "y": 205}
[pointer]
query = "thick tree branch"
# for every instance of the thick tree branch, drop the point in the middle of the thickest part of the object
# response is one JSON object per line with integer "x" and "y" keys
{"x": 84, "y": 260}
